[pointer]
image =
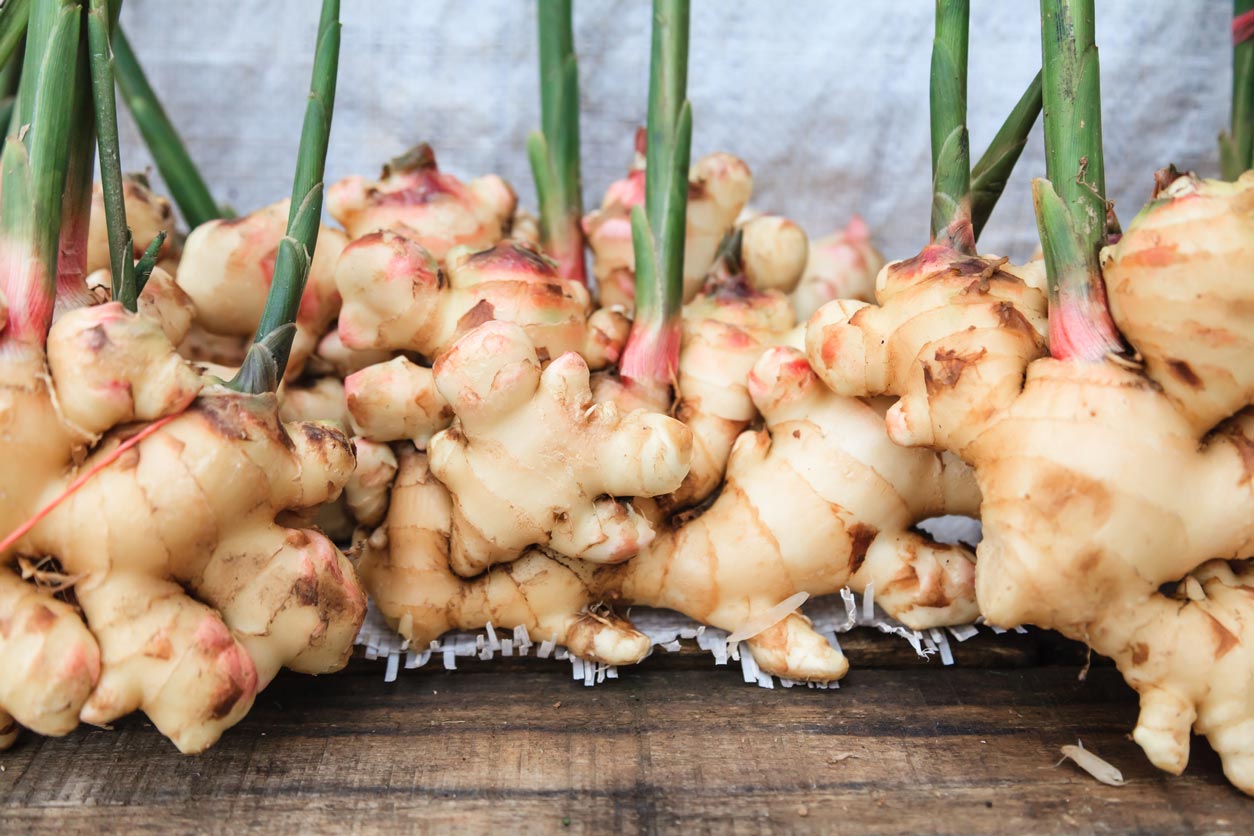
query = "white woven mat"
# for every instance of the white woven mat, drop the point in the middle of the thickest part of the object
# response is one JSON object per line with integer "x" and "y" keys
{"x": 831, "y": 614}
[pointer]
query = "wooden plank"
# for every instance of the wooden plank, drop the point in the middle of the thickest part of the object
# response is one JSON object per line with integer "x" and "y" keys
{"x": 931, "y": 749}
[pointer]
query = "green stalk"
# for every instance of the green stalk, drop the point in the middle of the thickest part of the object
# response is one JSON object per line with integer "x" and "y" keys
{"x": 76, "y": 201}
{"x": 951, "y": 147}
{"x": 266, "y": 360}
{"x": 33, "y": 167}
{"x": 10, "y": 78}
{"x": 127, "y": 281}
{"x": 1236, "y": 148}
{"x": 652, "y": 354}
{"x": 1071, "y": 208}
{"x": 14, "y": 16}
{"x": 186, "y": 185}
{"x": 989, "y": 177}
{"x": 554, "y": 151}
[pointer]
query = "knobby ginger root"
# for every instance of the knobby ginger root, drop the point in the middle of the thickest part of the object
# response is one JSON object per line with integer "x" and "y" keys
{"x": 415, "y": 199}
{"x": 719, "y": 187}
{"x": 724, "y": 335}
{"x": 842, "y": 265}
{"x": 741, "y": 311}
{"x": 396, "y": 401}
{"x": 531, "y": 459}
{"x": 822, "y": 458}
{"x": 227, "y": 267}
{"x": 1081, "y": 464}
{"x": 189, "y": 511}
{"x": 333, "y": 358}
{"x": 950, "y": 337}
{"x": 396, "y": 297}
{"x": 1178, "y": 282}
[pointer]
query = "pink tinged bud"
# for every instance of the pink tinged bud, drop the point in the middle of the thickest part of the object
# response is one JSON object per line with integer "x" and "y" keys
{"x": 627, "y": 192}
{"x": 857, "y": 231}
{"x": 417, "y": 188}
{"x": 1082, "y": 329}
{"x": 651, "y": 358}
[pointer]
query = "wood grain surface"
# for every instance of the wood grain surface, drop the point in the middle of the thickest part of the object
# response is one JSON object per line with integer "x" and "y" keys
{"x": 672, "y": 746}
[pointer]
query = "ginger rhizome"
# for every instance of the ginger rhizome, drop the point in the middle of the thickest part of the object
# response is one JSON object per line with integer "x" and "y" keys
{"x": 741, "y": 311}
{"x": 514, "y": 485}
{"x": 227, "y": 267}
{"x": 415, "y": 199}
{"x": 948, "y": 326}
{"x": 719, "y": 188}
{"x": 1081, "y": 457}
{"x": 714, "y": 568}
{"x": 189, "y": 511}
{"x": 842, "y": 265}
{"x": 396, "y": 298}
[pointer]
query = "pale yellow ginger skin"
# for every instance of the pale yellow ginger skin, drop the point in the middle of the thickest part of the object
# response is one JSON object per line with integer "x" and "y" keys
{"x": 366, "y": 492}
{"x": 515, "y": 485}
{"x": 396, "y": 401}
{"x": 725, "y": 330}
{"x": 1081, "y": 467}
{"x": 842, "y": 265}
{"x": 949, "y": 326}
{"x": 1178, "y": 283}
{"x": 147, "y": 214}
{"x": 364, "y": 498}
{"x": 773, "y": 252}
{"x": 363, "y": 503}
{"x": 430, "y": 207}
{"x": 724, "y": 335}
{"x": 525, "y": 227}
{"x": 726, "y": 567}
{"x": 227, "y": 267}
{"x": 332, "y": 357}
{"x": 719, "y": 187}
{"x": 321, "y": 399}
{"x": 190, "y": 511}
{"x": 396, "y": 298}
{"x": 1106, "y": 526}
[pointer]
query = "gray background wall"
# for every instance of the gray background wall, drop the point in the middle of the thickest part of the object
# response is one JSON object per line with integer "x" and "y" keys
{"x": 826, "y": 99}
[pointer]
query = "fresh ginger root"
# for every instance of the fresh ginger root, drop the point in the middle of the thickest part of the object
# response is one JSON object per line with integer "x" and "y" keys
{"x": 189, "y": 511}
{"x": 147, "y": 215}
{"x": 842, "y": 265}
{"x": 415, "y": 199}
{"x": 742, "y": 311}
{"x": 719, "y": 188}
{"x": 396, "y": 297}
{"x": 948, "y": 325}
{"x": 226, "y": 269}
{"x": 1178, "y": 282}
{"x": 729, "y": 567}
{"x": 333, "y": 358}
{"x": 396, "y": 401}
{"x": 531, "y": 459}
{"x": 1082, "y": 463}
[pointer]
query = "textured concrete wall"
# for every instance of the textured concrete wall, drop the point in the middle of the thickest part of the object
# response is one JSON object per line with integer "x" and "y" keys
{"x": 826, "y": 99}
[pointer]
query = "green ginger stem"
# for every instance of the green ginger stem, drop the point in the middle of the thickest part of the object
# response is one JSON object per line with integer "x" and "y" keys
{"x": 554, "y": 151}
{"x": 1071, "y": 208}
{"x": 1236, "y": 148}
{"x": 658, "y": 228}
{"x": 991, "y": 173}
{"x": 951, "y": 147}
{"x": 33, "y": 167}
{"x": 266, "y": 360}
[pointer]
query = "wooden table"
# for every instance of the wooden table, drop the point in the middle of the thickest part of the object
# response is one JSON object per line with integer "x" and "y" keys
{"x": 671, "y": 746}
